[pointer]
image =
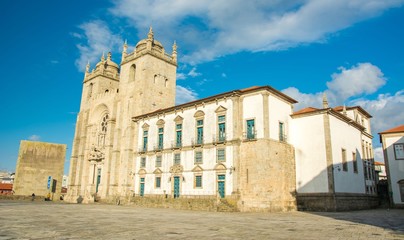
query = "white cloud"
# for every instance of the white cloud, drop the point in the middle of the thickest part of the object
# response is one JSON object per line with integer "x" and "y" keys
{"x": 98, "y": 39}
{"x": 224, "y": 75}
{"x": 364, "y": 78}
{"x": 207, "y": 30}
{"x": 184, "y": 95}
{"x": 193, "y": 73}
{"x": 360, "y": 79}
{"x": 385, "y": 110}
{"x": 34, "y": 137}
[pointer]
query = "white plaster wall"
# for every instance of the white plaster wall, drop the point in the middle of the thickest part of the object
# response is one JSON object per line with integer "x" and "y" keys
{"x": 209, "y": 174}
{"x": 345, "y": 136}
{"x": 253, "y": 109}
{"x": 307, "y": 136}
{"x": 396, "y": 167}
{"x": 279, "y": 111}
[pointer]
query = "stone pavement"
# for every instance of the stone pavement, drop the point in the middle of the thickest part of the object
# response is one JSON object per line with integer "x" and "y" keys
{"x": 48, "y": 220}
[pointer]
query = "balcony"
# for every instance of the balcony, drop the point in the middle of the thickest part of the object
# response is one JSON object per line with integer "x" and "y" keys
{"x": 283, "y": 138}
{"x": 158, "y": 148}
{"x": 176, "y": 145}
{"x": 250, "y": 136}
{"x": 219, "y": 139}
{"x": 198, "y": 142}
{"x": 143, "y": 149}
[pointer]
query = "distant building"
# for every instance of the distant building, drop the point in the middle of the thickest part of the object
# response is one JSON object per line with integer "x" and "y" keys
{"x": 6, "y": 188}
{"x": 39, "y": 168}
{"x": 393, "y": 149}
{"x": 246, "y": 146}
{"x": 6, "y": 177}
{"x": 380, "y": 169}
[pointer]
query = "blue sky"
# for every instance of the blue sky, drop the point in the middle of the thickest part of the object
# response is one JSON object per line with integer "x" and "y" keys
{"x": 351, "y": 49}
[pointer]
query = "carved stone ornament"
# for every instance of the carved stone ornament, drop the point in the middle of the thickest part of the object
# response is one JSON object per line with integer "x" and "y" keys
{"x": 176, "y": 169}
{"x": 96, "y": 154}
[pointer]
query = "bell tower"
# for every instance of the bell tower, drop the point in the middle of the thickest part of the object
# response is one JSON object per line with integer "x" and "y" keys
{"x": 148, "y": 75}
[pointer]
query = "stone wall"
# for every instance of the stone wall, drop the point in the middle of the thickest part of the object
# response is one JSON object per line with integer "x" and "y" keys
{"x": 36, "y": 161}
{"x": 335, "y": 202}
{"x": 266, "y": 176}
{"x": 201, "y": 203}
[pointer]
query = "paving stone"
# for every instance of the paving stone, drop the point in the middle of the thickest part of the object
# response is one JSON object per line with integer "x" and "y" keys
{"x": 49, "y": 220}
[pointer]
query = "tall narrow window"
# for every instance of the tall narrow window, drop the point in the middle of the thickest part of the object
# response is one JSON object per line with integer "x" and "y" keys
{"x": 198, "y": 157}
{"x": 161, "y": 138}
{"x": 90, "y": 90}
{"x": 177, "y": 159}
{"x": 143, "y": 162}
{"x": 199, "y": 131}
{"x": 222, "y": 128}
{"x": 221, "y": 155}
{"x": 251, "y": 129}
{"x": 132, "y": 73}
{"x": 281, "y": 132}
{"x": 158, "y": 182}
{"x": 158, "y": 161}
{"x": 198, "y": 181}
{"x": 178, "y": 129}
{"x": 354, "y": 162}
{"x": 145, "y": 137}
{"x": 344, "y": 162}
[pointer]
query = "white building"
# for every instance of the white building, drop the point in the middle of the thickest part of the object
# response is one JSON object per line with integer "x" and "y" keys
{"x": 393, "y": 149}
{"x": 133, "y": 143}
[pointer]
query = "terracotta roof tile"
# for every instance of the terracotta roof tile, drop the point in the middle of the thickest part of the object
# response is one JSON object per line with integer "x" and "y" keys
{"x": 379, "y": 163}
{"x": 6, "y": 186}
{"x": 306, "y": 110}
{"x": 395, "y": 129}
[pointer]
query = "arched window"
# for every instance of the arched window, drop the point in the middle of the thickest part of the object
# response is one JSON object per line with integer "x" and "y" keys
{"x": 132, "y": 73}
{"x": 166, "y": 82}
{"x": 103, "y": 130}
{"x": 155, "y": 78}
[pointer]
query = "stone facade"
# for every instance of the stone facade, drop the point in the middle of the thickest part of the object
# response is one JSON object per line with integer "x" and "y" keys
{"x": 37, "y": 161}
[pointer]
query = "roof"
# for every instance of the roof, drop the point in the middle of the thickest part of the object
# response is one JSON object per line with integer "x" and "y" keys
{"x": 6, "y": 186}
{"x": 225, "y": 94}
{"x": 305, "y": 110}
{"x": 379, "y": 163}
{"x": 360, "y": 109}
{"x": 394, "y": 130}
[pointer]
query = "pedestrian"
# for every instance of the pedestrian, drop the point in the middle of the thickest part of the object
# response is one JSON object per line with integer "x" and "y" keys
{"x": 33, "y": 197}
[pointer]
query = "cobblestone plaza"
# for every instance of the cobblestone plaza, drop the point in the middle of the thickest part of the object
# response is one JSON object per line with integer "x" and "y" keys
{"x": 49, "y": 220}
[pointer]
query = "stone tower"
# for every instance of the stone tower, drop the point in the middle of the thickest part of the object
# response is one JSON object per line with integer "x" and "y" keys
{"x": 104, "y": 143}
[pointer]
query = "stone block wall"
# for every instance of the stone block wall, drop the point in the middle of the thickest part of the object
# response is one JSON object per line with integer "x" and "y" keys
{"x": 36, "y": 162}
{"x": 266, "y": 176}
{"x": 327, "y": 202}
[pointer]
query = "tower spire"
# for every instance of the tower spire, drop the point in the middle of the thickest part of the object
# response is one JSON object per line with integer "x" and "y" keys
{"x": 124, "y": 49}
{"x": 174, "y": 54}
{"x": 325, "y": 101}
{"x": 103, "y": 56}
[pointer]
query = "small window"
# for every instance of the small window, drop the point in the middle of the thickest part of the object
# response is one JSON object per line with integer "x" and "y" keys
{"x": 198, "y": 157}
{"x": 221, "y": 118}
{"x": 198, "y": 181}
{"x": 344, "y": 162}
{"x": 354, "y": 162}
{"x": 158, "y": 182}
{"x": 177, "y": 159}
{"x": 143, "y": 162}
{"x": 221, "y": 156}
{"x": 158, "y": 161}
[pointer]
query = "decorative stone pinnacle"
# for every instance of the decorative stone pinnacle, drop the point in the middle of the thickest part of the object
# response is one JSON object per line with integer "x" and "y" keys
{"x": 150, "y": 35}
{"x": 88, "y": 66}
{"x": 175, "y": 47}
{"x": 325, "y": 101}
{"x": 103, "y": 56}
{"x": 109, "y": 56}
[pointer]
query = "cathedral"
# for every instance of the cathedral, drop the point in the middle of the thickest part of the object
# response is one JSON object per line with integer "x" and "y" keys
{"x": 246, "y": 147}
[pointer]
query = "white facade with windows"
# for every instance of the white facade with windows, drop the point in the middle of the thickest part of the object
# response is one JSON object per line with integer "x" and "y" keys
{"x": 393, "y": 149}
